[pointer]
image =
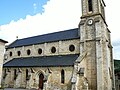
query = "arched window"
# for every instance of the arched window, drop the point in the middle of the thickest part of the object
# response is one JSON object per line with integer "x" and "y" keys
{"x": 90, "y": 5}
{"x": 5, "y": 72}
{"x": 18, "y": 53}
{"x": 27, "y": 77}
{"x": 15, "y": 74}
{"x": 62, "y": 76}
{"x": 10, "y": 54}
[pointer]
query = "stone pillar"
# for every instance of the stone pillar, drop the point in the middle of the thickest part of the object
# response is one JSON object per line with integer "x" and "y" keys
{"x": 7, "y": 79}
{"x": 18, "y": 80}
{"x": 73, "y": 82}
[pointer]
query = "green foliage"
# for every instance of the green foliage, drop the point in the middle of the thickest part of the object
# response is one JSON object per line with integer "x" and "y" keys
{"x": 117, "y": 65}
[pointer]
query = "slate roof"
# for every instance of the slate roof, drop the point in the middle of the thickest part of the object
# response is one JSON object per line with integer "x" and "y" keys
{"x": 57, "y": 36}
{"x": 43, "y": 61}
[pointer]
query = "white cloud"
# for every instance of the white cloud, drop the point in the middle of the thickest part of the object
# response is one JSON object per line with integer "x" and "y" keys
{"x": 59, "y": 15}
{"x": 113, "y": 17}
{"x": 116, "y": 52}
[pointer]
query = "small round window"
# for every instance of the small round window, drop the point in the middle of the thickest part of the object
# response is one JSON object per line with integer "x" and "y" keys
{"x": 18, "y": 53}
{"x": 53, "y": 49}
{"x": 39, "y": 51}
{"x": 72, "y": 48}
{"x": 28, "y": 52}
{"x": 10, "y": 54}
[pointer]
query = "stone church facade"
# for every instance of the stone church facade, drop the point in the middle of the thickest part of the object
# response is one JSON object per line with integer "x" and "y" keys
{"x": 75, "y": 59}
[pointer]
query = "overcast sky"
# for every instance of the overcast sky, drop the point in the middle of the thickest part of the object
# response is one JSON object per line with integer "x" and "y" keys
{"x": 24, "y": 18}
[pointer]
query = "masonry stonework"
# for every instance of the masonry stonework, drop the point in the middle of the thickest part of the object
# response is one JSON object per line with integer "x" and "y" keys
{"x": 54, "y": 78}
{"x": 79, "y": 59}
{"x": 62, "y": 48}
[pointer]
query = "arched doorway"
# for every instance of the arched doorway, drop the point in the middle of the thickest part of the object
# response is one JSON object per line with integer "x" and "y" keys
{"x": 41, "y": 78}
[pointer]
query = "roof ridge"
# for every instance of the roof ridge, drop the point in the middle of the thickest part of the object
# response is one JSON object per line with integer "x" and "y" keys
{"x": 48, "y": 33}
{"x": 50, "y": 37}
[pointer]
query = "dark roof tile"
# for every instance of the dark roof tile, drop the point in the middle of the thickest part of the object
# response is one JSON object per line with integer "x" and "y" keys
{"x": 57, "y": 36}
{"x": 44, "y": 61}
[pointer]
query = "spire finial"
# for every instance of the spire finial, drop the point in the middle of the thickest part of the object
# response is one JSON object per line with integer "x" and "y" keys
{"x": 16, "y": 37}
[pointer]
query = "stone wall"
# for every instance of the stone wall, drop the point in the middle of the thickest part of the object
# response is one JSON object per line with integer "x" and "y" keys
{"x": 52, "y": 78}
{"x": 62, "y": 48}
{"x": 2, "y": 51}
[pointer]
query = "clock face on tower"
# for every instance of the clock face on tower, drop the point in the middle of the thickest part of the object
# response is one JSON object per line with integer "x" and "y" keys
{"x": 90, "y": 22}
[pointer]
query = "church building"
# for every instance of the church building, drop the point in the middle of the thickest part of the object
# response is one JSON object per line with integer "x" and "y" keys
{"x": 75, "y": 59}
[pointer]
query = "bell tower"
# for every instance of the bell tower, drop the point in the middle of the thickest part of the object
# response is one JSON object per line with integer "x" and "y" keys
{"x": 93, "y": 7}
{"x": 95, "y": 47}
